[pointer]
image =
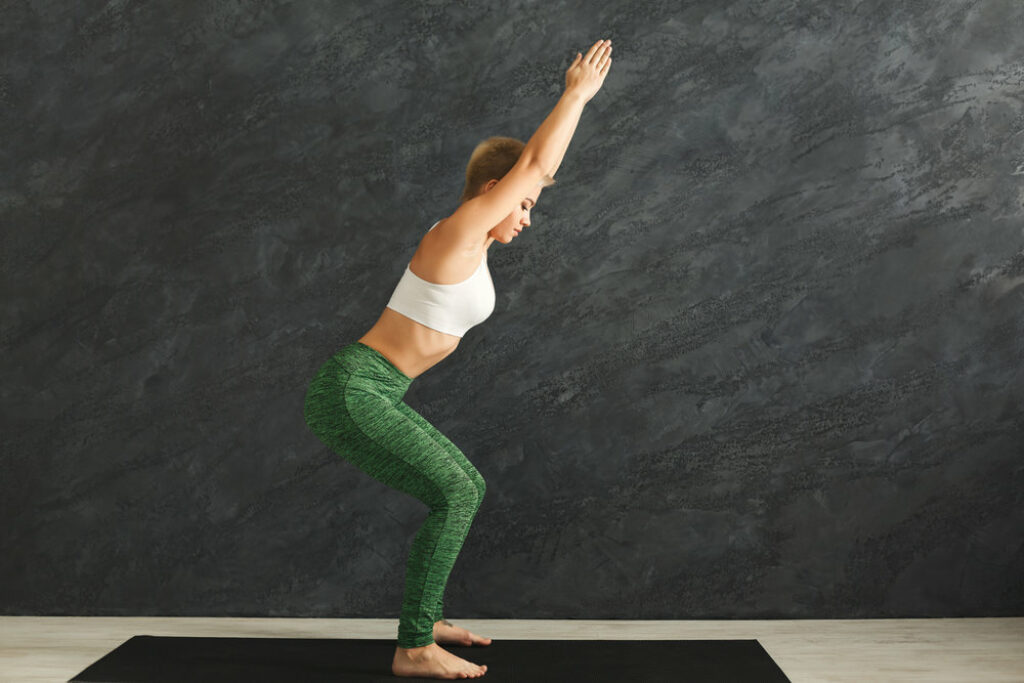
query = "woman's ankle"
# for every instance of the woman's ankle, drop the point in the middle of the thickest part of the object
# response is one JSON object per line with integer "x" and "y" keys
{"x": 417, "y": 649}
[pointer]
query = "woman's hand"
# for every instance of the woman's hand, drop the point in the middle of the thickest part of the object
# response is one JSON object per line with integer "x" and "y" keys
{"x": 586, "y": 74}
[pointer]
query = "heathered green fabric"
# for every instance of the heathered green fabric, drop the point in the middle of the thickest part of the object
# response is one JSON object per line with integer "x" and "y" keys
{"x": 354, "y": 405}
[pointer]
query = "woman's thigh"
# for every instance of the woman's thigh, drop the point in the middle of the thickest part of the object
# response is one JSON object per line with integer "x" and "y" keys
{"x": 453, "y": 451}
{"x": 391, "y": 445}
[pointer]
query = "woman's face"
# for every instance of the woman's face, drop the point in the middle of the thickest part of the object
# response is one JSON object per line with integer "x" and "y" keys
{"x": 515, "y": 222}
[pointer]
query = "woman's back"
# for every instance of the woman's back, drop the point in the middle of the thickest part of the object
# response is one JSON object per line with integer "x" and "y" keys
{"x": 445, "y": 289}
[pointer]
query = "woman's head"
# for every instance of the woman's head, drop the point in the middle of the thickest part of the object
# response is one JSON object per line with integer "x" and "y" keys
{"x": 490, "y": 161}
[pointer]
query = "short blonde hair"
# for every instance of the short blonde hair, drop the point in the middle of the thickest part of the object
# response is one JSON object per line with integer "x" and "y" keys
{"x": 492, "y": 159}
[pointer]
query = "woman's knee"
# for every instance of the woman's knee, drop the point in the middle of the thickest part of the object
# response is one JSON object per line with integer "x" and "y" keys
{"x": 477, "y": 482}
{"x": 481, "y": 486}
{"x": 461, "y": 492}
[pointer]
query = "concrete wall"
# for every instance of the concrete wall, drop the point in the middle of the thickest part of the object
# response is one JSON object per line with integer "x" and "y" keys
{"x": 759, "y": 354}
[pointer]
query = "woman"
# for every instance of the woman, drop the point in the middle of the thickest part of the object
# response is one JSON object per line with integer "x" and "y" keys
{"x": 355, "y": 406}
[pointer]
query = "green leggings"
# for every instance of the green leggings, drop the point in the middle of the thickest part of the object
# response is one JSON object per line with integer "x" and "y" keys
{"x": 354, "y": 405}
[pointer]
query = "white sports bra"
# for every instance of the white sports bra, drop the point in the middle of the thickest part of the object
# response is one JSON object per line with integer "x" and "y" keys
{"x": 451, "y": 309}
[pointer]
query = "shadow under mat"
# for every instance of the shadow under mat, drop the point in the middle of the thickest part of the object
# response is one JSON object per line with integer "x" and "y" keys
{"x": 177, "y": 658}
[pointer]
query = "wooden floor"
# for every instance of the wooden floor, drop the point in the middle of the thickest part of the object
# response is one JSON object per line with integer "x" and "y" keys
{"x": 808, "y": 651}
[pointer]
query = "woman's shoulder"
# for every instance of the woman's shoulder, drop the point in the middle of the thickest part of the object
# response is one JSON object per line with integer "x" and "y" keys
{"x": 450, "y": 242}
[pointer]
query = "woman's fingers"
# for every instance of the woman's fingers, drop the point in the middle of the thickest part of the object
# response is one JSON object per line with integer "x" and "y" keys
{"x": 594, "y": 49}
{"x": 586, "y": 73}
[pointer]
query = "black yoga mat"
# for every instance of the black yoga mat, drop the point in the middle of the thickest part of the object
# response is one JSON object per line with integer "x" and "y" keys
{"x": 164, "y": 658}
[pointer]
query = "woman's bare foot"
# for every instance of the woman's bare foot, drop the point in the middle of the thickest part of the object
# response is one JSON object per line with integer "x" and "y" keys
{"x": 433, "y": 661}
{"x": 447, "y": 633}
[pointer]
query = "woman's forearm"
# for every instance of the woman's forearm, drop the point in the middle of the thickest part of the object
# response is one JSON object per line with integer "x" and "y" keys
{"x": 561, "y": 155}
{"x": 548, "y": 145}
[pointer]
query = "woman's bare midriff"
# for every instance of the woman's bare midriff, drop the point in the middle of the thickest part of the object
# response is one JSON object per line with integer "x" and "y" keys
{"x": 413, "y": 347}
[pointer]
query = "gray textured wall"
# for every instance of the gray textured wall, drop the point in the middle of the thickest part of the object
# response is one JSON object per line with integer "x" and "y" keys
{"x": 759, "y": 356}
